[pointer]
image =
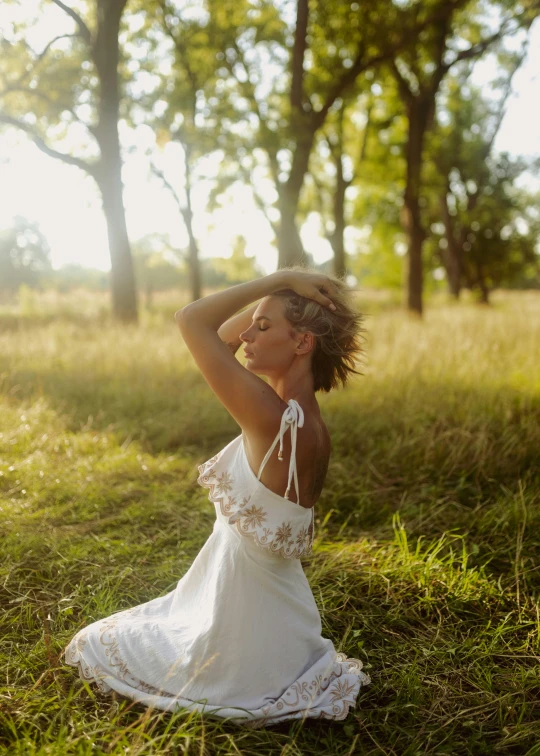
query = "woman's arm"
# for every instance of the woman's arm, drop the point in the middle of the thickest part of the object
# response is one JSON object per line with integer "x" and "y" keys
{"x": 230, "y": 331}
{"x": 251, "y": 401}
{"x": 212, "y": 311}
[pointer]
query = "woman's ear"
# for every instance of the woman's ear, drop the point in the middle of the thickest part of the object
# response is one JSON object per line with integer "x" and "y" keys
{"x": 305, "y": 342}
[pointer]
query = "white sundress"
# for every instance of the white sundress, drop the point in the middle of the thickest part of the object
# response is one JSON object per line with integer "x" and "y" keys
{"x": 239, "y": 637}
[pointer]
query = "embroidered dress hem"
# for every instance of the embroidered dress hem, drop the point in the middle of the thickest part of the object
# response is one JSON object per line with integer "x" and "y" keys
{"x": 312, "y": 696}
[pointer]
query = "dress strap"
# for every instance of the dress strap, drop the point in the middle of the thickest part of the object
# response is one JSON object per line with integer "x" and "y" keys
{"x": 293, "y": 417}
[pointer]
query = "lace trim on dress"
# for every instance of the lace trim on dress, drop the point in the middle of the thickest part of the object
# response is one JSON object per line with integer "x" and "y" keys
{"x": 343, "y": 684}
{"x": 330, "y": 696}
{"x": 117, "y": 666}
{"x": 287, "y": 539}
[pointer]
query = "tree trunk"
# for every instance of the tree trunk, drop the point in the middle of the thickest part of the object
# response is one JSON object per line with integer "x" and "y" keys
{"x": 418, "y": 114}
{"x": 454, "y": 252}
{"x": 337, "y": 238}
{"x": 414, "y": 271}
{"x": 482, "y": 285}
{"x": 123, "y": 288}
{"x": 109, "y": 170}
{"x": 194, "y": 267}
{"x": 193, "y": 259}
{"x": 291, "y": 249}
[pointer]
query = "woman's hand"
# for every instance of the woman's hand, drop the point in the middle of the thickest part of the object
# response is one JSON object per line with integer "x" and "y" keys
{"x": 312, "y": 286}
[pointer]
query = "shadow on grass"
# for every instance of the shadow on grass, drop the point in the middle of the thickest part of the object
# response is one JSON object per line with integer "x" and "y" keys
{"x": 444, "y": 427}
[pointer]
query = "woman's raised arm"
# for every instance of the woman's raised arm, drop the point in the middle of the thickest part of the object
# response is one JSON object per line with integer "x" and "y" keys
{"x": 231, "y": 329}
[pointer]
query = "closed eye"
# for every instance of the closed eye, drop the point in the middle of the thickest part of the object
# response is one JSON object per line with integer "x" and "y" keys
{"x": 263, "y": 329}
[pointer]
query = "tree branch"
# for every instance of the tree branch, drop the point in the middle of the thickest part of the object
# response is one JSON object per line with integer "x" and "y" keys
{"x": 359, "y": 65}
{"x": 347, "y": 78}
{"x": 38, "y": 58}
{"x": 363, "y": 147}
{"x": 184, "y": 209}
{"x": 52, "y": 41}
{"x": 403, "y": 85}
{"x": 179, "y": 42}
{"x": 161, "y": 175}
{"x": 299, "y": 51}
{"x": 441, "y": 33}
{"x": 42, "y": 96}
{"x": 248, "y": 90}
{"x": 84, "y": 31}
{"x": 475, "y": 50}
{"x": 42, "y": 54}
{"x": 350, "y": 76}
{"x": 502, "y": 105}
{"x": 38, "y": 141}
{"x": 246, "y": 86}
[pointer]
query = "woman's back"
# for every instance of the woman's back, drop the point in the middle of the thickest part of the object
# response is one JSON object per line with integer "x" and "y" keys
{"x": 312, "y": 455}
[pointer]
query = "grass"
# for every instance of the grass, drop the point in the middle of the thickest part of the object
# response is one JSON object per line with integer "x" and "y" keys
{"x": 426, "y": 563}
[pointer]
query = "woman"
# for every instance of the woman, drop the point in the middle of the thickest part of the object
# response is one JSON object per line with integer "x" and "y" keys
{"x": 240, "y": 635}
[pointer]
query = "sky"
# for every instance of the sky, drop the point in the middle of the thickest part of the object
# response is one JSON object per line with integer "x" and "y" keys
{"x": 66, "y": 204}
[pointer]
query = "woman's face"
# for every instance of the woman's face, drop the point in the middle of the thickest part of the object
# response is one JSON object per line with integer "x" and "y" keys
{"x": 269, "y": 342}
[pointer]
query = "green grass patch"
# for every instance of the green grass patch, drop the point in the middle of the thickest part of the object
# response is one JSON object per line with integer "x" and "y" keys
{"x": 426, "y": 563}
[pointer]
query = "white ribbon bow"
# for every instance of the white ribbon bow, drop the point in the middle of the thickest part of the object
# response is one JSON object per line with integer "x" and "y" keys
{"x": 293, "y": 417}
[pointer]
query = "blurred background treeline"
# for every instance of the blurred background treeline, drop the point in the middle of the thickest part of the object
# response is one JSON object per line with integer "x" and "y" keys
{"x": 377, "y": 122}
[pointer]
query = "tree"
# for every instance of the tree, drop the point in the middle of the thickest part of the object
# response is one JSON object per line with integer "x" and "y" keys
{"x": 458, "y": 31}
{"x": 365, "y": 200}
{"x": 341, "y": 162}
{"x": 287, "y": 76}
{"x": 177, "y": 108}
{"x": 24, "y": 255}
{"x": 461, "y": 150}
{"x": 78, "y": 83}
{"x": 496, "y": 234}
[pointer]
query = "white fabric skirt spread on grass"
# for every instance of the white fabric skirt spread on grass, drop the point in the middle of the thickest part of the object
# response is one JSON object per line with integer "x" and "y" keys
{"x": 239, "y": 637}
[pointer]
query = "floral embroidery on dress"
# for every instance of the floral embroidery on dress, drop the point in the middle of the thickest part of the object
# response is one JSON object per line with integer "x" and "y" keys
{"x": 224, "y": 483}
{"x": 342, "y": 692}
{"x": 303, "y": 537}
{"x": 254, "y": 521}
{"x": 254, "y": 516}
{"x": 284, "y": 532}
{"x": 109, "y": 640}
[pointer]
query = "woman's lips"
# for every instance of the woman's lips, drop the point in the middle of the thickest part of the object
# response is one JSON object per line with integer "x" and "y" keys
{"x": 248, "y": 354}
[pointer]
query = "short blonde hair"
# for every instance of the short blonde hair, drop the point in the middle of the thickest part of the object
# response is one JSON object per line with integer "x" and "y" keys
{"x": 338, "y": 333}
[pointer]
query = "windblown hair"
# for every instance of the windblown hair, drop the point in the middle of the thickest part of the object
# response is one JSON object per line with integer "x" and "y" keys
{"x": 338, "y": 333}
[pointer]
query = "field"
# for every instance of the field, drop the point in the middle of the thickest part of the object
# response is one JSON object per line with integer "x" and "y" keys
{"x": 426, "y": 563}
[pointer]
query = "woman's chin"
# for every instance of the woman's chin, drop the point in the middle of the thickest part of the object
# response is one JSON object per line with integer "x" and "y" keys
{"x": 252, "y": 366}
